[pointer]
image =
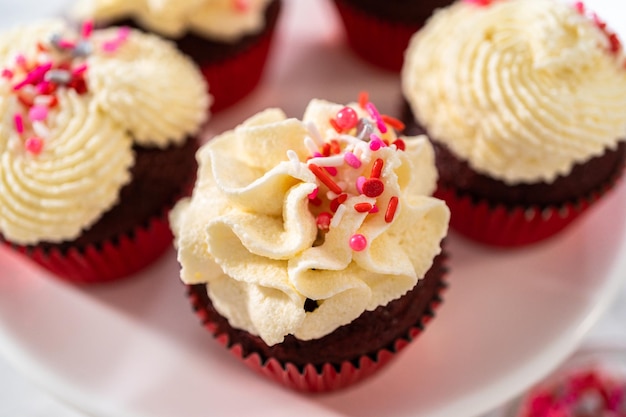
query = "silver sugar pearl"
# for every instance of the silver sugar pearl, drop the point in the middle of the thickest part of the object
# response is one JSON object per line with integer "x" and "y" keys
{"x": 82, "y": 49}
{"x": 364, "y": 128}
{"x": 58, "y": 76}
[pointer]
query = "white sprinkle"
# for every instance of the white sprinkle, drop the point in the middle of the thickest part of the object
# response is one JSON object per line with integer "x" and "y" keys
{"x": 310, "y": 145}
{"x": 338, "y": 216}
{"x": 350, "y": 139}
{"x": 41, "y": 130}
{"x": 293, "y": 157}
{"x": 315, "y": 133}
{"x": 327, "y": 161}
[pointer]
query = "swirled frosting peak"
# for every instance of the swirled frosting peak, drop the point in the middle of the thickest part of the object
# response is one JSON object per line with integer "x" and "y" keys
{"x": 332, "y": 211}
{"x": 71, "y": 107}
{"x": 226, "y": 20}
{"x": 521, "y": 89}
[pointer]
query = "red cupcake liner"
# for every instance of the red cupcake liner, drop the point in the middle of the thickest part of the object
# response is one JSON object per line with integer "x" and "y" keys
{"x": 232, "y": 79}
{"x": 508, "y": 227}
{"x": 327, "y": 377}
{"x": 381, "y": 43}
{"x": 109, "y": 261}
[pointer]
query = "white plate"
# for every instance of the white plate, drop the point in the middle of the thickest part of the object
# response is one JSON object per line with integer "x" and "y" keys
{"x": 134, "y": 348}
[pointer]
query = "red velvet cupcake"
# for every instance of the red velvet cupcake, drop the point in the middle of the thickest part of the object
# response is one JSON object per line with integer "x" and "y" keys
{"x": 379, "y": 31}
{"x": 525, "y": 103}
{"x": 229, "y": 40}
{"x": 312, "y": 249}
{"x": 90, "y": 167}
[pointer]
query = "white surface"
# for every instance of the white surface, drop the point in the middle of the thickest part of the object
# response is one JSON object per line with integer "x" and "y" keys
{"x": 135, "y": 349}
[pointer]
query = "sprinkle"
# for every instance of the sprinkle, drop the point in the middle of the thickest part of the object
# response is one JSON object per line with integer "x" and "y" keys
{"x": 363, "y": 207}
{"x": 391, "y": 209}
{"x": 374, "y": 209}
{"x": 377, "y": 168}
{"x": 82, "y": 49}
{"x": 580, "y": 7}
{"x": 58, "y": 76}
{"x": 373, "y": 187}
{"x": 335, "y": 125}
{"x": 359, "y": 184}
{"x": 335, "y": 203}
{"x": 400, "y": 145}
{"x": 323, "y": 221}
{"x": 327, "y": 161}
{"x": 20, "y": 61}
{"x": 313, "y": 194}
{"x": 393, "y": 122}
{"x": 352, "y": 160}
{"x": 34, "y": 145}
{"x": 364, "y": 98}
{"x": 316, "y": 201}
{"x": 38, "y": 113}
{"x": 346, "y": 118}
{"x": 325, "y": 179}
{"x": 25, "y": 97}
{"x": 373, "y": 111}
{"x": 295, "y": 161}
{"x": 358, "y": 242}
{"x": 241, "y": 6}
{"x": 7, "y": 73}
{"x": 338, "y": 216}
{"x": 479, "y": 2}
{"x": 376, "y": 142}
{"x": 19, "y": 123}
{"x": 332, "y": 171}
{"x": 315, "y": 133}
{"x": 41, "y": 130}
{"x": 364, "y": 129}
{"x": 65, "y": 44}
{"x": 335, "y": 147}
{"x": 86, "y": 29}
{"x": 310, "y": 145}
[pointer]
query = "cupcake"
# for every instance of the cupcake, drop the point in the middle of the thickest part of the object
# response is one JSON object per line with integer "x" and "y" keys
{"x": 228, "y": 39}
{"x": 379, "y": 31}
{"x": 312, "y": 249}
{"x": 97, "y": 142}
{"x": 525, "y": 103}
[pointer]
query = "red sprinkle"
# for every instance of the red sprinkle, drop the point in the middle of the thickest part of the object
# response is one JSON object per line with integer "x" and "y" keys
{"x": 373, "y": 187}
{"x": 326, "y": 149}
{"x": 335, "y": 125}
{"x": 391, "y": 209}
{"x": 363, "y": 207}
{"x": 34, "y": 145}
{"x": 358, "y": 242}
{"x": 393, "y": 122}
{"x": 323, "y": 221}
{"x": 335, "y": 203}
{"x": 377, "y": 168}
{"x": 400, "y": 145}
{"x": 364, "y": 98}
{"x": 335, "y": 147}
{"x": 325, "y": 179}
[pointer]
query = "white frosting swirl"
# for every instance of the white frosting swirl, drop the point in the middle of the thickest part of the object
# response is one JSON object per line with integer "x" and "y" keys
{"x": 55, "y": 191}
{"x": 249, "y": 231}
{"x": 225, "y": 20}
{"x": 521, "y": 89}
{"x": 148, "y": 87}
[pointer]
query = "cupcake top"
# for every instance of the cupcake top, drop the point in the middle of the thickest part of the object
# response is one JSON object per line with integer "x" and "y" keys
{"x": 224, "y": 20}
{"x": 298, "y": 227}
{"x": 521, "y": 89}
{"x": 72, "y": 106}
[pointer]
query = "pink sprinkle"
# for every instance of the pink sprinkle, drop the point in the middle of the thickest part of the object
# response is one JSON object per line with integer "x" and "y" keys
{"x": 38, "y": 113}
{"x": 380, "y": 123}
{"x": 358, "y": 242}
{"x": 580, "y": 7}
{"x": 87, "y": 29}
{"x": 313, "y": 194}
{"x": 376, "y": 143}
{"x": 352, "y": 160}
{"x": 20, "y": 60}
{"x": 79, "y": 69}
{"x": 374, "y": 209}
{"x": 7, "y": 73}
{"x": 359, "y": 184}
{"x": 19, "y": 123}
{"x": 43, "y": 87}
{"x": 110, "y": 46}
{"x": 346, "y": 118}
{"x": 34, "y": 145}
{"x": 66, "y": 44}
{"x": 479, "y": 2}
{"x": 123, "y": 33}
{"x": 331, "y": 170}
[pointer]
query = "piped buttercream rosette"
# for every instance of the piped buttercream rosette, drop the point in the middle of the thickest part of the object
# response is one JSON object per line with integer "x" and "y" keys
{"x": 72, "y": 106}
